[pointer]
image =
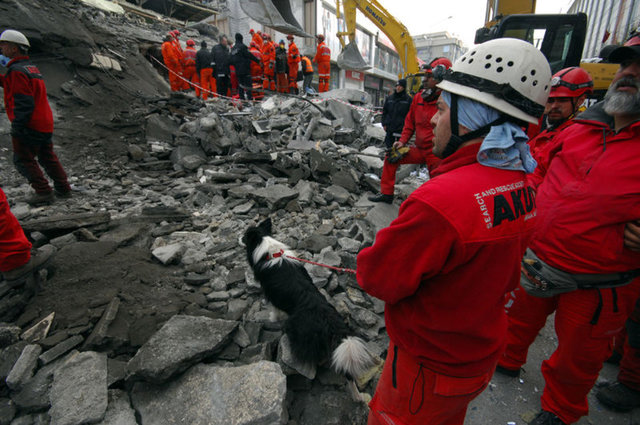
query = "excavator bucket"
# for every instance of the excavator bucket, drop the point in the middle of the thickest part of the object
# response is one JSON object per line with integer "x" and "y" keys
{"x": 350, "y": 58}
{"x": 275, "y": 14}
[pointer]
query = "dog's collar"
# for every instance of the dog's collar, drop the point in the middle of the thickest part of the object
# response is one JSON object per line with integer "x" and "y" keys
{"x": 275, "y": 255}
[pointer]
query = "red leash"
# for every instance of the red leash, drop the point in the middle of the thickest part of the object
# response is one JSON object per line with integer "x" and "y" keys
{"x": 338, "y": 269}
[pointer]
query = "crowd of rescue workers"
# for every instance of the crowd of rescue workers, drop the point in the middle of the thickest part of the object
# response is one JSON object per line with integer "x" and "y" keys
{"x": 532, "y": 207}
{"x": 233, "y": 69}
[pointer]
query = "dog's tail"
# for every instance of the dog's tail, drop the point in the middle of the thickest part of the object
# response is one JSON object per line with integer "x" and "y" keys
{"x": 352, "y": 358}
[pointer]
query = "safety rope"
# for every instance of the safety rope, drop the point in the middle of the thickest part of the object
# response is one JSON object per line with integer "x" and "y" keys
{"x": 338, "y": 269}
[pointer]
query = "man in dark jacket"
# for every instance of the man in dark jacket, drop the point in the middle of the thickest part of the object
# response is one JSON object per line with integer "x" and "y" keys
{"x": 204, "y": 68}
{"x": 281, "y": 68}
{"x": 27, "y": 106}
{"x": 221, "y": 65}
{"x": 394, "y": 111}
{"x": 241, "y": 58}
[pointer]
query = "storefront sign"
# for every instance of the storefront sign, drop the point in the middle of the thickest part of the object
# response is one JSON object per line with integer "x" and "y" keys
{"x": 354, "y": 75}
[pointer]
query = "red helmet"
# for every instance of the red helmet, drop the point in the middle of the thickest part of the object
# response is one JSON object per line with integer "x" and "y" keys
{"x": 177, "y": 33}
{"x": 253, "y": 44}
{"x": 633, "y": 41}
{"x": 446, "y": 63}
{"x": 571, "y": 82}
{"x": 259, "y": 32}
{"x": 266, "y": 36}
{"x": 191, "y": 43}
{"x": 251, "y": 31}
{"x": 289, "y": 37}
{"x": 320, "y": 37}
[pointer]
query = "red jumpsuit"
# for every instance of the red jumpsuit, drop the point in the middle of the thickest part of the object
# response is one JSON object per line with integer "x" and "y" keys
{"x": 293, "y": 60}
{"x": 15, "y": 249}
{"x": 173, "y": 63}
{"x": 418, "y": 121}
{"x": 269, "y": 65}
{"x": 189, "y": 66}
{"x": 256, "y": 73}
{"x": 323, "y": 59}
{"x": 442, "y": 268}
{"x": 256, "y": 38}
{"x": 588, "y": 188}
{"x": 28, "y": 109}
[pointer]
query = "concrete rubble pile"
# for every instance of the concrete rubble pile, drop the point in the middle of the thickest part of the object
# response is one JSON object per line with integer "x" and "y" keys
{"x": 149, "y": 312}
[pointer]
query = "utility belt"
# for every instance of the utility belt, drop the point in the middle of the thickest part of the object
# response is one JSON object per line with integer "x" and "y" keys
{"x": 542, "y": 280}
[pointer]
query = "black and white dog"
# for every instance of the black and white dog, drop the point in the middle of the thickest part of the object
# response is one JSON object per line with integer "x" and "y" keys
{"x": 315, "y": 329}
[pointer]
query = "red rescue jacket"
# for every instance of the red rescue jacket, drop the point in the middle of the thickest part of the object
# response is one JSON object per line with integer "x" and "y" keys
{"x": 323, "y": 54}
{"x": 256, "y": 67}
{"x": 189, "y": 56}
{"x": 589, "y": 188}
{"x": 541, "y": 142}
{"x": 418, "y": 121}
{"x": 25, "y": 98}
{"x": 443, "y": 266}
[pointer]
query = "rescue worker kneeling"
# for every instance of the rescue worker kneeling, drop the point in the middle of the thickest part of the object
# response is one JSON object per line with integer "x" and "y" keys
{"x": 444, "y": 265}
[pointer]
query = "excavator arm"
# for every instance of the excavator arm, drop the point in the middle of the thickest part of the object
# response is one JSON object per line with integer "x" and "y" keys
{"x": 350, "y": 57}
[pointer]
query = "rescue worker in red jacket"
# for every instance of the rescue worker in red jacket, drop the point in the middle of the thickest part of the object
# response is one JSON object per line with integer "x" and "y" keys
{"x": 189, "y": 66}
{"x": 256, "y": 37}
{"x": 16, "y": 261}
{"x": 268, "y": 63}
{"x": 418, "y": 122}
{"x": 173, "y": 62}
{"x": 293, "y": 60}
{"x": 27, "y": 107}
{"x": 256, "y": 71}
{"x": 569, "y": 90}
{"x": 444, "y": 265}
{"x": 587, "y": 189}
{"x": 323, "y": 59}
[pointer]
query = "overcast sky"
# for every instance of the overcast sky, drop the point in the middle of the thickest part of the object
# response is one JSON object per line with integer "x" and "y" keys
{"x": 460, "y": 17}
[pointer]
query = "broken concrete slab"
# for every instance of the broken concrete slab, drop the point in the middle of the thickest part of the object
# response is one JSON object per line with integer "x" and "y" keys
{"x": 79, "y": 390}
{"x": 181, "y": 342}
{"x": 24, "y": 367}
{"x": 66, "y": 222}
{"x": 119, "y": 410}
{"x": 275, "y": 197}
{"x": 210, "y": 395}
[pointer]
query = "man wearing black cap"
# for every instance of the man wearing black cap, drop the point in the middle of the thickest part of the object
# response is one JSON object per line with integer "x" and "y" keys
{"x": 394, "y": 111}
{"x": 587, "y": 189}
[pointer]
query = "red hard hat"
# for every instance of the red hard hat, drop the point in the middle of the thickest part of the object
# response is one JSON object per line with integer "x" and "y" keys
{"x": 177, "y": 32}
{"x": 251, "y": 31}
{"x": 191, "y": 43}
{"x": 633, "y": 41}
{"x": 320, "y": 37}
{"x": 571, "y": 82}
{"x": 289, "y": 37}
{"x": 439, "y": 61}
{"x": 266, "y": 36}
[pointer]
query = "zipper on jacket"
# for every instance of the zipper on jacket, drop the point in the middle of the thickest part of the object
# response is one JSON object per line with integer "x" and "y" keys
{"x": 604, "y": 148}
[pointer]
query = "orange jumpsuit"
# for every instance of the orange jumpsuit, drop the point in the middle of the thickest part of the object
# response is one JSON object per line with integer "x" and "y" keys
{"x": 256, "y": 73}
{"x": 293, "y": 60}
{"x": 256, "y": 38}
{"x": 269, "y": 65}
{"x": 189, "y": 68}
{"x": 173, "y": 63}
{"x": 323, "y": 59}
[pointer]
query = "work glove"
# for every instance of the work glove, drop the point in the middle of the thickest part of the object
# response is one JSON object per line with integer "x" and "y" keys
{"x": 395, "y": 154}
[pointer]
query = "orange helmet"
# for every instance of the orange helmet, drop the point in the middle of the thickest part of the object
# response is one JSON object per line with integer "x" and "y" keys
{"x": 191, "y": 43}
{"x": 320, "y": 37}
{"x": 571, "y": 82}
{"x": 289, "y": 37}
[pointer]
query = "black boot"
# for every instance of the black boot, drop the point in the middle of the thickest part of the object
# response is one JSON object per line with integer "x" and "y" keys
{"x": 546, "y": 418}
{"x": 381, "y": 197}
{"x": 619, "y": 397}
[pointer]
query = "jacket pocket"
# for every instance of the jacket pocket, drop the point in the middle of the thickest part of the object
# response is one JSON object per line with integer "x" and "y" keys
{"x": 449, "y": 386}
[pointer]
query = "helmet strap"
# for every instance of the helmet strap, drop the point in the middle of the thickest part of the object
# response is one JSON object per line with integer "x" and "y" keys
{"x": 455, "y": 141}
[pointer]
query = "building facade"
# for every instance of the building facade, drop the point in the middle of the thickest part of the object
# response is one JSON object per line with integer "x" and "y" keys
{"x": 438, "y": 44}
{"x": 609, "y": 22}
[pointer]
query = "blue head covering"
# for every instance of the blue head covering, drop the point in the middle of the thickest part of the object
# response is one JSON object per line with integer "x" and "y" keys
{"x": 505, "y": 146}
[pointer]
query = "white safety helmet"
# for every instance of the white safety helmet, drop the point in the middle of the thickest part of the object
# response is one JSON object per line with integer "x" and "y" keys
{"x": 508, "y": 74}
{"x": 14, "y": 36}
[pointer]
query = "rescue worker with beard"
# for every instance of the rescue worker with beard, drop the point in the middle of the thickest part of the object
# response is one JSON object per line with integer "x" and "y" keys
{"x": 444, "y": 265}
{"x": 241, "y": 59}
{"x": 293, "y": 60}
{"x": 220, "y": 54}
{"x": 204, "y": 68}
{"x": 569, "y": 90}
{"x": 418, "y": 122}
{"x": 578, "y": 263}
{"x": 28, "y": 110}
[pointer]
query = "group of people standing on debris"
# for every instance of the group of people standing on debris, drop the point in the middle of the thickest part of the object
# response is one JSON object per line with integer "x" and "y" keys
{"x": 241, "y": 71}
{"x": 533, "y": 207}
